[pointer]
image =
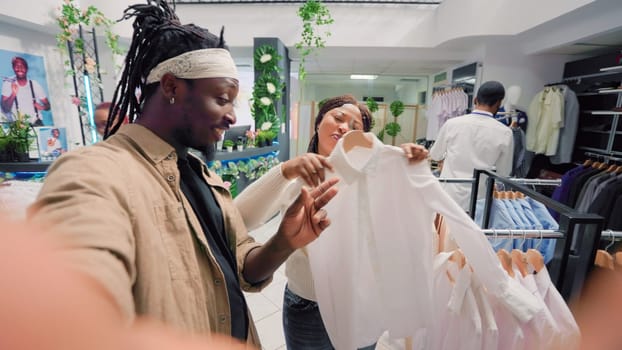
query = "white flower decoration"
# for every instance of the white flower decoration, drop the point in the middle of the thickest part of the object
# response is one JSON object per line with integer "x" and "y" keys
{"x": 265, "y": 58}
{"x": 265, "y": 101}
{"x": 266, "y": 126}
{"x": 271, "y": 88}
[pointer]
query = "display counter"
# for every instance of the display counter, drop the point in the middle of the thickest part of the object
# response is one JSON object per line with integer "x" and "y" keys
{"x": 240, "y": 168}
{"x": 247, "y": 153}
{"x": 33, "y": 166}
{"x": 238, "y": 172}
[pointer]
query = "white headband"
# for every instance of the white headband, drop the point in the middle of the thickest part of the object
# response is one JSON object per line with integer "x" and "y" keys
{"x": 197, "y": 64}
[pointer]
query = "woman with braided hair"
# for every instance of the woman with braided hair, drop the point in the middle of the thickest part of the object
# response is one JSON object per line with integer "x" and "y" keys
{"x": 146, "y": 220}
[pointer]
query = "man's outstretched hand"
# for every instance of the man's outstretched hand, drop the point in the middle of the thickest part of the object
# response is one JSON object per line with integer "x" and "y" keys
{"x": 305, "y": 219}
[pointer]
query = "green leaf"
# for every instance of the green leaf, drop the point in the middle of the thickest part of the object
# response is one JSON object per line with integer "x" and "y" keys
{"x": 393, "y": 128}
{"x": 371, "y": 104}
{"x": 397, "y": 108}
{"x": 381, "y": 135}
{"x": 313, "y": 14}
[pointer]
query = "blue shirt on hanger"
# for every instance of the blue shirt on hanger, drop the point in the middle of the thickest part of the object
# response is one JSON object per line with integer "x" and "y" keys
{"x": 540, "y": 211}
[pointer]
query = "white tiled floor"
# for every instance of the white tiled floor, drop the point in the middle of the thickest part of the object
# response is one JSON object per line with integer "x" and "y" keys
{"x": 266, "y": 306}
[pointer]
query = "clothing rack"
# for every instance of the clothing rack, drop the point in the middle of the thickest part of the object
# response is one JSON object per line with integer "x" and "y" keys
{"x": 542, "y": 234}
{"x": 569, "y": 268}
{"x": 554, "y": 84}
{"x": 606, "y": 157}
{"x": 609, "y": 234}
{"x": 444, "y": 87}
{"x": 524, "y": 181}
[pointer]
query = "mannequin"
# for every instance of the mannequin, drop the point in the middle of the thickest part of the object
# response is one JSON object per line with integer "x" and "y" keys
{"x": 512, "y": 95}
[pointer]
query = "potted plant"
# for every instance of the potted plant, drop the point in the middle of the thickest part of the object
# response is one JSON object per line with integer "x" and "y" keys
{"x": 228, "y": 145}
{"x": 240, "y": 145}
{"x": 267, "y": 136}
{"x": 5, "y": 154}
{"x": 393, "y": 128}
{"x": 260, "y": 139}
{"x": 250, "y": 138}
{"x": 18, "y": 139}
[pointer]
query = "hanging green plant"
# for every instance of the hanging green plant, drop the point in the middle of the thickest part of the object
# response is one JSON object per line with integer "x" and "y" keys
{"x": 314, "y": 15}
{"x": 396, "y": 108}
{"x": 70, "y": 18}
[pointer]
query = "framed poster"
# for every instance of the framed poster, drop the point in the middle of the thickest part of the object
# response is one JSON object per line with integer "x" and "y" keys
{"x": 52, "y": 142}
{"x": 24, "y": 88}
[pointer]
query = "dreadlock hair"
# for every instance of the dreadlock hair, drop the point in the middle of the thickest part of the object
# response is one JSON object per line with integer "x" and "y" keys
{"x": 331, "y": 103}
{"x": 158, "y": 36}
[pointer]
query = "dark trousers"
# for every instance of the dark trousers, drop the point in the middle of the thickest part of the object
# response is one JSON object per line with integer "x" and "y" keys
{"x": 303, "y": 325}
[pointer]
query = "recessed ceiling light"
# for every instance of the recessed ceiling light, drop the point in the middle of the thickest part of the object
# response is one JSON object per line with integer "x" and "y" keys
{"x": 363, "y": 77}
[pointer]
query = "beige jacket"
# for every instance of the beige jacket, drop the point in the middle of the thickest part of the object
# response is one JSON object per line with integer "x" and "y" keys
{"x": 119, "y": 206}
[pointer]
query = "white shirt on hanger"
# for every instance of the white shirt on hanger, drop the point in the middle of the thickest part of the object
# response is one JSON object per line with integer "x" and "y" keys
{"x": 372, "y": 268}
{"x": 569, "y": 330}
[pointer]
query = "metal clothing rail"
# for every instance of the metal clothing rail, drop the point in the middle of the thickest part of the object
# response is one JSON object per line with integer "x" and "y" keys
{"x": 540, "y": 182}
{"x": 456, "y": 180}
{"x": 524, "y": 181}
{"x": 518, "y": 234}
{"x": 569, "y": 267}
{"x": 603, "y": 155}
{"x": 543, "y": 234}
{"x": 609, "y": 234}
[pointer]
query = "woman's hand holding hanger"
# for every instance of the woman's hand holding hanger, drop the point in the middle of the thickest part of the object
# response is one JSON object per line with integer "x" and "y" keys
{"x": 310, "y": 167}
{"x": 415, "y": 153}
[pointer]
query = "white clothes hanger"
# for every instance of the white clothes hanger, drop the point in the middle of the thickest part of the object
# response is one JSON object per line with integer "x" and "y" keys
{"x": 356, "y": 138}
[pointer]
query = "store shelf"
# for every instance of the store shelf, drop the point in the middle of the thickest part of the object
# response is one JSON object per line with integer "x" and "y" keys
{"x": 606, "y": 113}
{"x": 612, "y": 91}
{"x": 581, "y": 94}
{"x": 593, "y": 149}
{"x": 611, "y": 69}
{"x": 596, "y": 131}
{"x": 34, "y": 166}
{"x": 578, "y": 78}
{"x": 246, "y": 153}
{"x": 599, "y": 128}
{"x": 598, "y": 93}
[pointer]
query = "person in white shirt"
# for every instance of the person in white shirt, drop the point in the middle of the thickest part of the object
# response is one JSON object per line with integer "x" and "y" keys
{"x": 474, "y": 141}
{"x": 23, "y": 95}
{"x": 302, "y": 322}
{"x": 53, "y": 142}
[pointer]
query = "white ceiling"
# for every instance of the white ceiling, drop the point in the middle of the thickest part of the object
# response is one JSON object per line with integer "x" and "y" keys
{"x": 346, "y": 53}
{"x": 594, "y": 45}
{"x": 337, "y": 62}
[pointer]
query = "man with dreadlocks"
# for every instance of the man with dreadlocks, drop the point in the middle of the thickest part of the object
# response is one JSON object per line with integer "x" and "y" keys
{"x": 144, "y": 218}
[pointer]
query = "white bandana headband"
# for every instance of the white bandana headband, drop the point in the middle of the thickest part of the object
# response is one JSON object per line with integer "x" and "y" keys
{"x": 197, "y": 64}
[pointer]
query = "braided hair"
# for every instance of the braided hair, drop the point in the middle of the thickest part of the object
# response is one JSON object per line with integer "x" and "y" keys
{"x": 158, "y": 36}
{"x": 334, "y": 102}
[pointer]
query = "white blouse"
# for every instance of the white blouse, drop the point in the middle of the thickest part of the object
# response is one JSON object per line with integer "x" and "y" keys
{"x": 372, "y": 268}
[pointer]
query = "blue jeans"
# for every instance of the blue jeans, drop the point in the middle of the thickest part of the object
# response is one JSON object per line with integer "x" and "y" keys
{"x": 303, "y": 325}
